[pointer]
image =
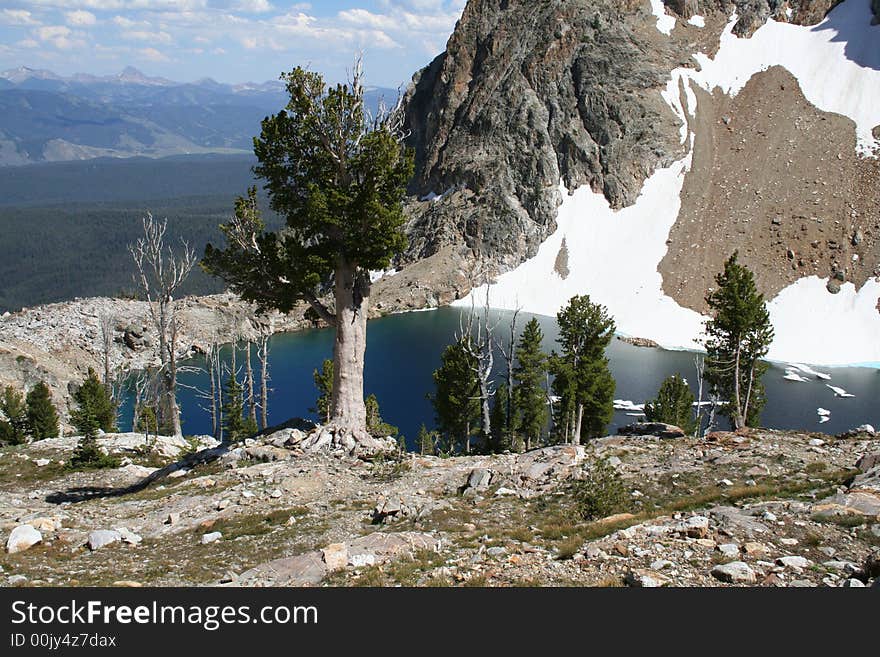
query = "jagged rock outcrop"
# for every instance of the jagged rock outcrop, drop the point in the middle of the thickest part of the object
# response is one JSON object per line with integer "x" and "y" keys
{"x": 528, "y": 94}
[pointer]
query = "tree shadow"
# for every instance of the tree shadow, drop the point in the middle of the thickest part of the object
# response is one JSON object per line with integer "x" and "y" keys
{"x": 85, "y": 493}
{"x": 855, "y": 25}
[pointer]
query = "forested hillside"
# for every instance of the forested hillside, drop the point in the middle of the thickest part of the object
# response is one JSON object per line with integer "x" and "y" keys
{"x": 66, "y": 227}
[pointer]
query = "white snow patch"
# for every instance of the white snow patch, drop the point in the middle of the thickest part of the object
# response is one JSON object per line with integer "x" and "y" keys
{"x": 665, "y": 22}
{"x": 836, "y": 62}
{"x": 791, "y": 375}
{"x": 838, "y": 392}
{"x": 697, "y": 21}
{"x": 434, "y": 197}
{"x": 375, "y": 275}
{"x": 806, "y": 369}
{"x": 626, "y": 405}
{"x": 824, "y": 412}
{"x": 613, "y": 257}
{"x": 827, "y": 329}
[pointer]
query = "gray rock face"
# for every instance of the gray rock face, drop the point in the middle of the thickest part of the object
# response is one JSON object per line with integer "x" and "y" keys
{"x": 528, "y": 93}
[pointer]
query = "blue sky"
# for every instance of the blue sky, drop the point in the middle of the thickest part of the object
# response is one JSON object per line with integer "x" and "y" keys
{"x": 228, "y": 40}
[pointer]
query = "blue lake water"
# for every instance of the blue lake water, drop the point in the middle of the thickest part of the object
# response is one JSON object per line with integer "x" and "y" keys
{"x": 404, "y": 350}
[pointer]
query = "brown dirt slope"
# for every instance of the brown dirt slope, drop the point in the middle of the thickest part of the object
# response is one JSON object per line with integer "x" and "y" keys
{"x": 778, "y": 180}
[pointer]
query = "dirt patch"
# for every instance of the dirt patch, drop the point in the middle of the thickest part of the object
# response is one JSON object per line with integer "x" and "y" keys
{"x": 778, "y": 180}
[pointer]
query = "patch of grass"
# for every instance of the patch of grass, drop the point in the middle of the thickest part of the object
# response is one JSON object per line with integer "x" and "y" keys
{"x": 569, "y": 547}
{"x": 846, "y": 521}
{"x": 816, "y": 467}
{"x": 253, "y": 525}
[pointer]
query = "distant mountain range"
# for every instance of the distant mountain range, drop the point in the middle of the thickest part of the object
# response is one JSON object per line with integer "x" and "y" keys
{"x": 50, "y": 118}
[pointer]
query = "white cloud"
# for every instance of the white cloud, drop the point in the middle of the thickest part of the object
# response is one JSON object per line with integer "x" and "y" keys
{"x": 80, "y": 17}
{"x": 17, "y": 17}
{"x": 28, "y": 43}
{"x": 153, "y": 55}
{"x": 145, "y": 35}
{"x": 49, "y": 32}
{"x": 254, "y": 6}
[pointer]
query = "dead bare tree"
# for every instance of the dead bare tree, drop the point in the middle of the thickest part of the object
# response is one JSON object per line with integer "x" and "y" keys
{"x": 265, "y": 334}
{"x": 481, "y": 350}
{"x": 508, "y": 351}
{"x": 106, "y": 321}
{"x": 160, "y": 273}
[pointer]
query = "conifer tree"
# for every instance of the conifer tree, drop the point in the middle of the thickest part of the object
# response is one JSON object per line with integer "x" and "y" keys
{"x": 95, "y": 408}
{"x": 236, "y": 424}
{"x": 377, "y": 427}
{"x": 500, "y": 435}
{"x": 738, "y": 337}
{"x": 456, "y": 400}
{"x": 674, "y": 404}
{"x": 583, "y": 379}
{"x": 530, "y": 397}
{"x": 41, "y": 414}
{"x": 13, "y": 417}
{"x": 339, "y": 181}
{"x": 427, "y": 441}
{"x": 324, "y": 384}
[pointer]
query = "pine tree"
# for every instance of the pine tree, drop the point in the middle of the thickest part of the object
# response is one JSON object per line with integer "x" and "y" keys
{"x": 324, "y": 384}
{"x": 583, "y": 380}
{"x": 236, "y": 424}
{"x": 674, "y": 404}
{"x": 95, "y": 410}
{"x": 377, "y": 427}
{"x": 456, "y": 402}
{"x": 339, "y": 182}
{"x": 530, "y": 397}
{"x": 13, "y": 417}
{"x": 738, "y": 337}
{"x": 41, "y": 414}
{"x": 427, "y": 441}
{"x": 500, "y": 435}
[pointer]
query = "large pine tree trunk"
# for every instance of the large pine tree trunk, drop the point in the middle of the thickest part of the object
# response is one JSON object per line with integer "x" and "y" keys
{"x": 352, "y": 297}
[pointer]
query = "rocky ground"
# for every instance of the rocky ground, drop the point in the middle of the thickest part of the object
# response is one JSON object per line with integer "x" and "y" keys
{"x": 761, "y": 508}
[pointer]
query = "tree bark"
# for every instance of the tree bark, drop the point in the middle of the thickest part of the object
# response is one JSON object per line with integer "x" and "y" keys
{"x": 264, "y": 381}
{"x": 738, "y": 414}
{"x": 576, "y": 438}
{"x": 352, "y": 290}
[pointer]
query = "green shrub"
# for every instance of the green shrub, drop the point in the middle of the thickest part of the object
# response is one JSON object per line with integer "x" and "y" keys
{"x": 601, "y": 493}
{"x": 89, "y": 456}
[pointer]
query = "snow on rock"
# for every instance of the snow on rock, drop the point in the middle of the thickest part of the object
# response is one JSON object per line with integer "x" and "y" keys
{"x": 697, "y": 21}
{"x": 836, "y": 62}
{"x": 806, "y": 369}
{"x": 665, "y": 22}
{"x": 839, "y": 392}
{"x": 614, "y": 255}
{"x": 791, "y": 375}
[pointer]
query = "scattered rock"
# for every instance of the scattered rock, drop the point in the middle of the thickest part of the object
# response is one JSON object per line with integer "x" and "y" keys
{"x": 647, "y": 579}
{"x": 796, "y": 563}
{"x": 335, "y": 556}
{"x": 658, "y": 429}
{"x": 735, "y": 572}
{"x": 211, "y": 537}
{"x": 103, "y": 537}
{"x": 22, "y": 538}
